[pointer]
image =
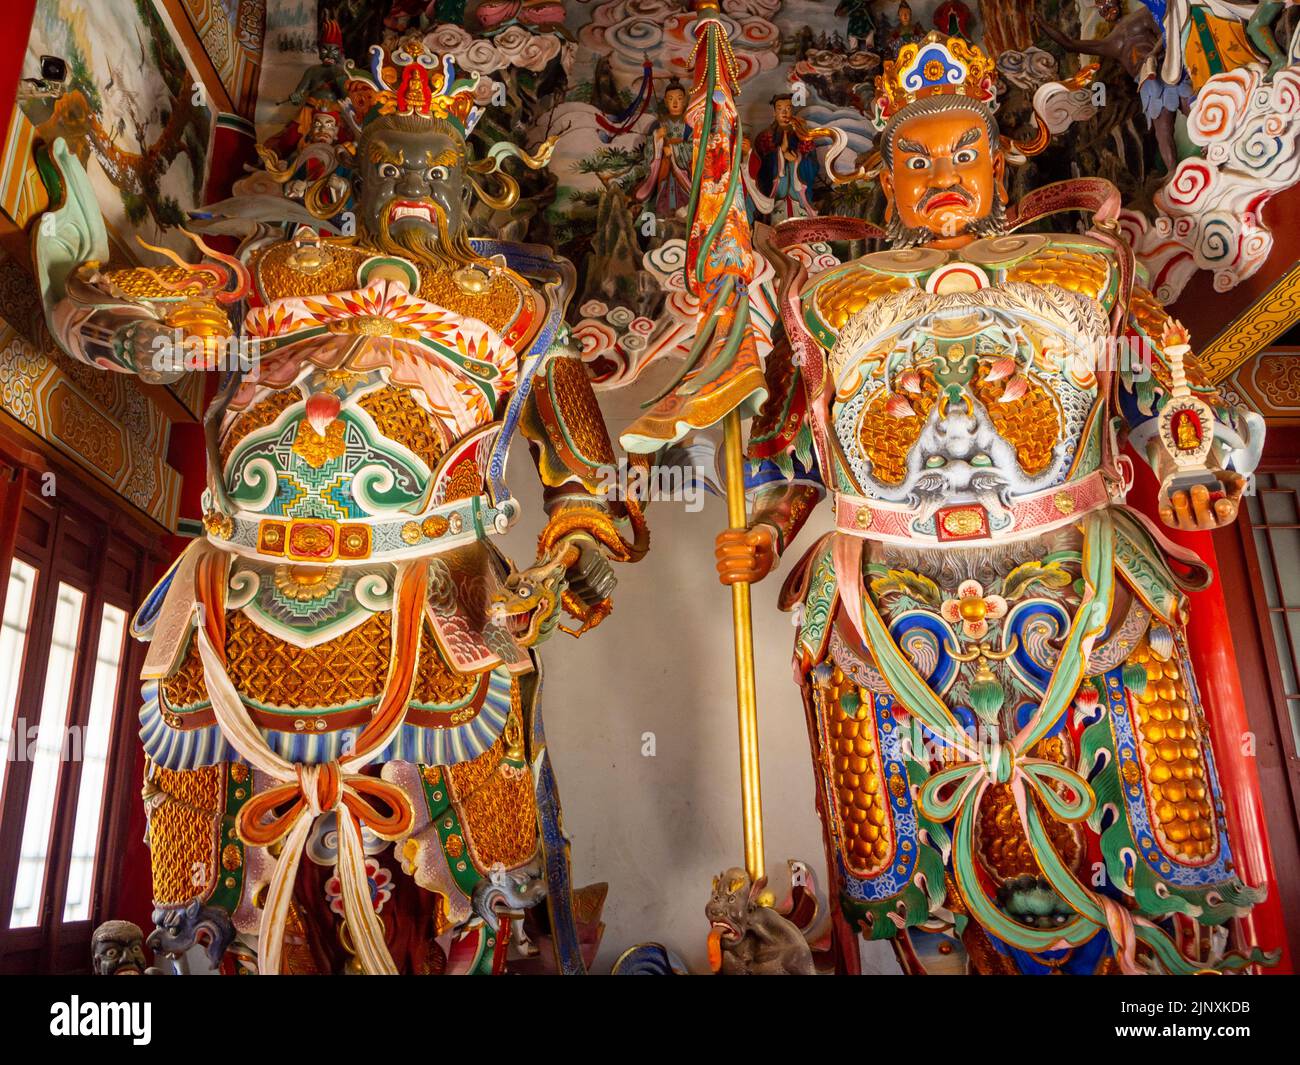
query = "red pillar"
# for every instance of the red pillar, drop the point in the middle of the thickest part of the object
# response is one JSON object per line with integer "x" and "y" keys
{"x": 13, "y": 50}
{"x": 1209, "y": 640}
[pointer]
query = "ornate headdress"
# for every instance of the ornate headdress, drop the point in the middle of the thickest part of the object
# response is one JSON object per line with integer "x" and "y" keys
{"x": 936, "y": 66}
{"x": 411, "y": 82}
{"x": 331, "y": 33}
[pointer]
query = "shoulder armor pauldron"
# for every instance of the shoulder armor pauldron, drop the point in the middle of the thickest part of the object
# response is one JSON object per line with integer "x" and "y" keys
{"x": 286, "y": 270}
{"x": 565, "y": 420}
{"x": 837, "y": 295}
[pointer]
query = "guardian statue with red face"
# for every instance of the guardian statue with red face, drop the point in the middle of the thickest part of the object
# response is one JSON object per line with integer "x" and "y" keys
{"x": 1014, "y": 768}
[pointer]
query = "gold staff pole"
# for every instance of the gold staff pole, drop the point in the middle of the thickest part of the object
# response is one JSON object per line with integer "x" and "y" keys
{"x": 751, "y": 790}
{"x": 713, "y": 60}
{"x": 725, "y": 358}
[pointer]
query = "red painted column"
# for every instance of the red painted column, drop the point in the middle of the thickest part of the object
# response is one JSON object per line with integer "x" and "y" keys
{"x": 13, "y": 50}
{"x": 1209, "y": 640}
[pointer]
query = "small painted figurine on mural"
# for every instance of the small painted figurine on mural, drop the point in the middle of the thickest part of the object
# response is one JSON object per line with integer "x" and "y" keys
{"x": 953, "y": 18}
{"x": 1135, "y": 42}
{"x": 784, "y": 163}
{"x": 861, "y": 27}
{"x": 321, "y": 96}
{"x": 667, "y": 151}
{"x": 347, "y": 768}
{"x": 991, "y": 644}
{"x": 904, "y": 31}
{"x": 1209, "y": 39}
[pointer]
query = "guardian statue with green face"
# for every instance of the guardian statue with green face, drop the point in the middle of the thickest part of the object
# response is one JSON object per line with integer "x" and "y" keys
{"x": 347, "y": 769}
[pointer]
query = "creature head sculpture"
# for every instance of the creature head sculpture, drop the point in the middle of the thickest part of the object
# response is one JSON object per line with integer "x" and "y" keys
{"x": 118, "y": 948}
{"x": 178, "y": 928}
{"x": 748, "y": 934}
{"x": 730, "y": 905}
{"x": 943, "y": 165}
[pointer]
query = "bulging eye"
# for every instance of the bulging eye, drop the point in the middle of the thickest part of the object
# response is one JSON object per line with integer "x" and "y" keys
{"x": 438, "y": 173}
{"x": 387, "y": 170}
{"x": 918, "y": 162}
{"x": 965, "y": 156}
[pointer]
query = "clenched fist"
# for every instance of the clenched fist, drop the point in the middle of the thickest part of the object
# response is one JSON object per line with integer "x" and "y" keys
{"x": 746, "y": 555}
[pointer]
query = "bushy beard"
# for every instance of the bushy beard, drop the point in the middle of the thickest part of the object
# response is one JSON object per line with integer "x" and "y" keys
{"x": 440, "y": 248}
{"x": 990, "y": 225}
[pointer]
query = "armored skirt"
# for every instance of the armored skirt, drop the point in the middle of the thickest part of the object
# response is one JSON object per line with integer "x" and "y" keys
{"x": 1000, "y": 795}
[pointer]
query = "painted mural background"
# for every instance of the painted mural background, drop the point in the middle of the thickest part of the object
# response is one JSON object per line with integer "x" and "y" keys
{"x": 231, "y": 32}
{"x": 130, "y": 112}
{"x": 1197, "y": 137}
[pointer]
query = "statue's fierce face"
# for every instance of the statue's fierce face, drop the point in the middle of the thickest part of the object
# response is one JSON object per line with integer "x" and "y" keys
{"x": 412, "y": 184}
{"x": 119, "y": 948}
{"x": 944, "y": 178}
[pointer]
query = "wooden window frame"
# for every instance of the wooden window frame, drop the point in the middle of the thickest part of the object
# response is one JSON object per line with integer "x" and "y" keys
{"x": 79, "y": 538}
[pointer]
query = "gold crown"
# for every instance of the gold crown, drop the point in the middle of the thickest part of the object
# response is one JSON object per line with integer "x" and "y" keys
{"x": 936, "y": 66}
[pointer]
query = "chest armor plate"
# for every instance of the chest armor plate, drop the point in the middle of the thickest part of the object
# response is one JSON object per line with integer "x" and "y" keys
{"x": 966, "y": 379}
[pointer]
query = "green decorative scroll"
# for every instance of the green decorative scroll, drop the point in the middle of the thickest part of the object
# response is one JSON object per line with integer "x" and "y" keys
{"x": 956, "y": 792}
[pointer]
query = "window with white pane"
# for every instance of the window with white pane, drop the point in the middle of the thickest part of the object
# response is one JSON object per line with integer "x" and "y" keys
{"x": 69, "y": 773}
{"x": 54, "y": 743}
{"x": 94, "y": 759}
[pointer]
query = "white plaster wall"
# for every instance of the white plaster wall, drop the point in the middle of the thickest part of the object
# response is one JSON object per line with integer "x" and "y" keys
{"x": 658, "y": 829}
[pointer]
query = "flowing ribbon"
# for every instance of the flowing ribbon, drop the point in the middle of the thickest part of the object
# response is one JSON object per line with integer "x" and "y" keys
{"x": 956, "y": 792}
{"x": 969, "y": 782}
{"x": 615, "y": 125}
{"x": 286, "y": 812}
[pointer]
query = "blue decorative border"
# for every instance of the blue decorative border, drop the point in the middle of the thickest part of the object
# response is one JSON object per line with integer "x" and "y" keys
{"x": 902, "y": 815}
{"x": 174, "y": 748}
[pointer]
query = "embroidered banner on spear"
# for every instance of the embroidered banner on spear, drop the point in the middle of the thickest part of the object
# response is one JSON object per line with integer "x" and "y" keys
{"x": 722, "y": 379}
{"x": 722, "y": 372}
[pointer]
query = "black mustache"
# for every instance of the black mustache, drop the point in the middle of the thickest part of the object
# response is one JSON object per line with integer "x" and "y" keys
{"x": 931, "y": 193}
